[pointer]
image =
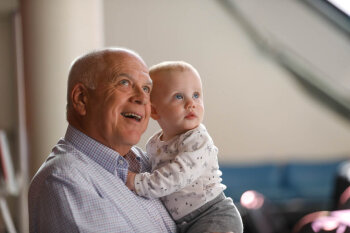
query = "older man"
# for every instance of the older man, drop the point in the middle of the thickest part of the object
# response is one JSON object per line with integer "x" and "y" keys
{"x": 81, "y": 186}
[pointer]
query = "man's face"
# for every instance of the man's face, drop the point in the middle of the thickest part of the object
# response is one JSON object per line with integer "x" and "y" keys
{"x": 118, "y": 110}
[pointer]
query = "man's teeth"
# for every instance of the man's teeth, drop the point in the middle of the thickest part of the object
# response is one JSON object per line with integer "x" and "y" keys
{"x": 132, "y": 115}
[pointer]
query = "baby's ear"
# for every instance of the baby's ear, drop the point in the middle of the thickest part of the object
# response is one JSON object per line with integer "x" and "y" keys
{"x": 154, "y": 113}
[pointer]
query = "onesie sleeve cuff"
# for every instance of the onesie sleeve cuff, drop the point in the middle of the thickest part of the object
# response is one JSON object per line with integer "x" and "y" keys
{"x": 137, "y": 184}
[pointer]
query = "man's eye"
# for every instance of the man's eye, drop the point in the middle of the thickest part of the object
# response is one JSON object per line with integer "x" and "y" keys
{"x": 147, "y": 89}
{"x": 196, "y": 95}
{"x": 124, "y": 82}
{"x": 179, "y": 96}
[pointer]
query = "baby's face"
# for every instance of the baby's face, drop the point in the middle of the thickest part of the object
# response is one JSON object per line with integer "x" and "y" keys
{"x": 177, "y": 101}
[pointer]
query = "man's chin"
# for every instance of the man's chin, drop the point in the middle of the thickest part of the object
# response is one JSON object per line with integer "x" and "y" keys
{"x": 129, "y": 137}
{"x": 124, "y": 147}
{"x": 132, "y": 140}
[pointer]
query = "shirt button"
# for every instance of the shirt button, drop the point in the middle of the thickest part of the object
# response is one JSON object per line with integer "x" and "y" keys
{"x": 121, "y": 162}
{"x": 183, "y": 223}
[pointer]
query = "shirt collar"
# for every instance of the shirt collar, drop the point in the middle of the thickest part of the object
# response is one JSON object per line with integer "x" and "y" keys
{"x": 101, "y": 154}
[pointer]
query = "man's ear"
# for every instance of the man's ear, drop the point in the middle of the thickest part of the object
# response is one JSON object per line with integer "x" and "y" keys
{"x": 154, "y": 113}
{"x": 79, "y": 97}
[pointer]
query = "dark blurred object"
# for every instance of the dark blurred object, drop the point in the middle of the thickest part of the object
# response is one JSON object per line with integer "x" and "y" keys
{"x": 304, "y": 224}
{"x": 260, "y": 215}
{"x": 341, "y": 196}
{"x": 338, "y": 220}
{"x": 344, "y": 200}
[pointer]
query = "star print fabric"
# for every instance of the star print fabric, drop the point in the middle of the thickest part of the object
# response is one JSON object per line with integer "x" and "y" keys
{"x": 185, "y": 171}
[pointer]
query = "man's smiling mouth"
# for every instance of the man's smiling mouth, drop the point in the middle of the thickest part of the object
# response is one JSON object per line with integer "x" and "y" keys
{"x": 132, "y": 116}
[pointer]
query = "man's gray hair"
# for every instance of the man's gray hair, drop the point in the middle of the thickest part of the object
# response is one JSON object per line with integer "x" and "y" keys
{"x": 86, "y": 68}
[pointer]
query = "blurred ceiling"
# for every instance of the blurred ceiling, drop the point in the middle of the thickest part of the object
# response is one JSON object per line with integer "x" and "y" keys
{"x": 298, "y": 36}
{"x": 301, "y": 38}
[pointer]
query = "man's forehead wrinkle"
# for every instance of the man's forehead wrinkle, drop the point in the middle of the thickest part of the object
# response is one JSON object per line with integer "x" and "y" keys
{"x": 126, "y": 75}
{"x": 122, "y": 64}
{"x": 114, "y": 72}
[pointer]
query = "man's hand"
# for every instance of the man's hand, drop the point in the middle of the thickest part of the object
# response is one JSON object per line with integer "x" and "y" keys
{"x": 130, "y": 181}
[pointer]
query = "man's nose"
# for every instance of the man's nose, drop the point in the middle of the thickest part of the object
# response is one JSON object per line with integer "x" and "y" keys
{"x": 140, "y": 96}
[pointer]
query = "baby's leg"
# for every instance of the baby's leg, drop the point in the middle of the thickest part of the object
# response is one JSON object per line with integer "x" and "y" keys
{"x": 219, "y": 215}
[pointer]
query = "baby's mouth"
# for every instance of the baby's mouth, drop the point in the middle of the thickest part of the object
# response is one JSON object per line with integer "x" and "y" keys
{"x": 132, "y": 115}
{"x": 190, "y": 115}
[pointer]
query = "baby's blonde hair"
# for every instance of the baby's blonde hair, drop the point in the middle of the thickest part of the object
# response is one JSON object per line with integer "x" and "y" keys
{"x": 172, "y": 66}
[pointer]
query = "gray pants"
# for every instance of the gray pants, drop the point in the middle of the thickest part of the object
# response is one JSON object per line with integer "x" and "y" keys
{"x": 218, "y": 215}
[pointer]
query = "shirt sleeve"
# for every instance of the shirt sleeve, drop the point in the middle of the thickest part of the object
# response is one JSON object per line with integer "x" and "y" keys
{"x": 190, "y": 163}
{"x": 66, "y": 205}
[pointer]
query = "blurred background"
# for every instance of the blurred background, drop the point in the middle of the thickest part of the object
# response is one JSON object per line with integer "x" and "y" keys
{"x": 275, "y": 73}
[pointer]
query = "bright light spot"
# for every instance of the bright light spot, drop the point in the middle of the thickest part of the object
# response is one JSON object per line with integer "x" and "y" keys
{"x": 252, "y": 199}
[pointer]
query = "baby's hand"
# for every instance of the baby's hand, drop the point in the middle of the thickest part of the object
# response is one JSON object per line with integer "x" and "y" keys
{"x": 130, "y": 181}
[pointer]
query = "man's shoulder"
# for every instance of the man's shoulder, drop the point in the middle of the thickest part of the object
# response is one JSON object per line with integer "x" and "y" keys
{"x": 64, "y": 160}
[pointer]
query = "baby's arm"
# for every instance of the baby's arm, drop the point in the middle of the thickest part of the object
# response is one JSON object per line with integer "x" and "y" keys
{"x": 189, "y": 164}
{"x": 130, "y": 180}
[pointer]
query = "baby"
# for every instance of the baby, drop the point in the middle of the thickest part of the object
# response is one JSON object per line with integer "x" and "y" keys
{"x": 185, "y": 171}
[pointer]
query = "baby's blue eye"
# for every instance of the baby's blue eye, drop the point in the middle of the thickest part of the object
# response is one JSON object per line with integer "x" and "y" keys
{"x": 179, "y": 96}
{"x": 196, "y": 95}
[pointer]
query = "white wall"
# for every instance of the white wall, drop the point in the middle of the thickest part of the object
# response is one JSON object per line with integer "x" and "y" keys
{"x": 255, "y": 110}
{"x": 305, "y": 40}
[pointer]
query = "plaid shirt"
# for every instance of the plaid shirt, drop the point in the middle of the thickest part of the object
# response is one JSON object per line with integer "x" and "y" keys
{"x": 81, "y": 188}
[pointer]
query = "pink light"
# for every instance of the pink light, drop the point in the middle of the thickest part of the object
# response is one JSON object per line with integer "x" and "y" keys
{"x": 330, "y": 225}
{"x": 345, "y": 196}
{"x": 327, "y": 223}
{"x": 341, "y": 229}
{"x": 338, "y": 220}
{"x": 342, "y": 215}
{"x": 252, "y": 199}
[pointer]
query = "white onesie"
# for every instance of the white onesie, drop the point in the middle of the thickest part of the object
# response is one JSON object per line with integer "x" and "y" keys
{"x": 185, "y": 171}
